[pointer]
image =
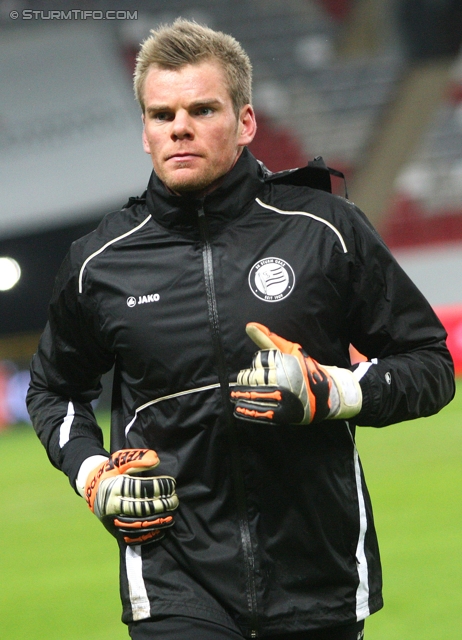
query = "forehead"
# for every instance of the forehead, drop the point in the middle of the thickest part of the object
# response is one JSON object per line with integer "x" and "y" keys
{"x": 204, "y": 80}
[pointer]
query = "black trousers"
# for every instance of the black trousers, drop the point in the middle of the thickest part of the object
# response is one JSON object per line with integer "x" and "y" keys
{"x": 184, "y": 628}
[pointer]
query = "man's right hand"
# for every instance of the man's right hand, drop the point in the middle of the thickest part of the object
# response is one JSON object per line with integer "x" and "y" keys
{"x": 127, "y": 500}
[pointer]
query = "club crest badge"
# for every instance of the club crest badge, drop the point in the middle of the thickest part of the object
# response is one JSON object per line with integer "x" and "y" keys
{"x": 271, "y": 279}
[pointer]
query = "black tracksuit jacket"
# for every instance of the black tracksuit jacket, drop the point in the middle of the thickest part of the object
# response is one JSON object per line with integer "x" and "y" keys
{"x": 274, "y": 532}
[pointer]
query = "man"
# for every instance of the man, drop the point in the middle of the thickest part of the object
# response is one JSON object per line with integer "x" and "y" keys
{"x": 233, "y": 486}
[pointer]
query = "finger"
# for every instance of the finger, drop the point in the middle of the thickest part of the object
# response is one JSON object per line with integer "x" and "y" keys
{"x": 127, "y": 525}
{"x": 256, "y": 377}
{"x": 249, "y": 412}
{"x": 134, "y": 461}
{"x": 143, "y": 508}
{"x": 264, "y": 370}
{"x": 136, "y": 531}
{"x": 271, "y": 367}
{"x": 142, "y": 488}
{"x": 268, "y": 395}
{"x": 260, "y": 335}
{"x": 134, "y": 496}
{"x": 144, "y": 538}
{"x": 266, "y": 339}
{"x": 276, "y": 406}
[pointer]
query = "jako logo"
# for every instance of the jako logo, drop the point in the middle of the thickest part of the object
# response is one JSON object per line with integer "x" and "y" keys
{"x": 151, "y": 297}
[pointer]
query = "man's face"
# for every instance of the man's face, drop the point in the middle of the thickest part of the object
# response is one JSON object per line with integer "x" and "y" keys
{"x": 190, "y": 128}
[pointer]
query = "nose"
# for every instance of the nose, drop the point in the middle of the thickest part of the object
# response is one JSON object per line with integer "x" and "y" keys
{"x": 182, "y": 126}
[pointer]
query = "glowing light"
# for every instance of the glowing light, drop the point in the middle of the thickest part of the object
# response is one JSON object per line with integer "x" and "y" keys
{"x": 10, "y": 272}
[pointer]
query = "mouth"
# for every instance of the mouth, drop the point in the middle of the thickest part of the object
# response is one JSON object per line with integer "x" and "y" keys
{"x": 182, "y": 156}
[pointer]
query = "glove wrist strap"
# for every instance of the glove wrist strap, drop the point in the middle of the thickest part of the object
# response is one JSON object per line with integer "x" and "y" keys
{"x": 86, "y": 467}
{"x": 350, "y": 396}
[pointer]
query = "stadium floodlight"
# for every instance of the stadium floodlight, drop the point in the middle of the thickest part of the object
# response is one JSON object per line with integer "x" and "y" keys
{"x": 10, "y": 273}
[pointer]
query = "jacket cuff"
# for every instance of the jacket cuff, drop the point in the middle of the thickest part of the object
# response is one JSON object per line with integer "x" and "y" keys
{"x": 368, "y": 402}
{"x": 376, "y": 389}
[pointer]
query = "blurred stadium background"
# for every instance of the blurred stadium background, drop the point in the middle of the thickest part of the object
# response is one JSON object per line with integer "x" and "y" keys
{"x": 374, "y": 86}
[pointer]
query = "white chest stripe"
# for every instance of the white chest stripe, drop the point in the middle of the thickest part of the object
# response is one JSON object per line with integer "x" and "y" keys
{"x": 308, "y": 215}
{"x": 65, "y": 428}
{"x": 108, "y": 244}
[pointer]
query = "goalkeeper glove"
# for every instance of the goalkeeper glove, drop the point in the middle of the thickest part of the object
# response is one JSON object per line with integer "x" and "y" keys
{"x": 285, "y": 385}
{"x": 126, "y": 500}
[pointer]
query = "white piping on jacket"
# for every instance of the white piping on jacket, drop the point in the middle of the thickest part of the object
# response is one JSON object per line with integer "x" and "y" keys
{"x": 362, "y": 592}
{"x": 65, "y": 428}
{"x": 308, "y": 215}
{"x": 362, "y": 369}
{"x": 136, "y": 586}
{"x": 108, "y": 244}
{"x": 216, "y": 385}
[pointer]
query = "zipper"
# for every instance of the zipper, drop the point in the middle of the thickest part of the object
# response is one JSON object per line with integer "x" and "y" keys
{"x": 241, "y": 502}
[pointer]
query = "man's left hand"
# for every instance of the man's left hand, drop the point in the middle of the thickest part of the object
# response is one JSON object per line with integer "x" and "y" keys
{"x": 285, "y": 385}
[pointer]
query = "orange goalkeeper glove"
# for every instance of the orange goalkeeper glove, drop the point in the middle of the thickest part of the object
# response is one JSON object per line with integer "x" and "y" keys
{"x": 127, "y": 500}
{"x": 284, "y": 385}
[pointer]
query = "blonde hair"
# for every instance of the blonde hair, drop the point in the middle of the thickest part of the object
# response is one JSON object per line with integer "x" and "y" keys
{"x": 186, "y": 42}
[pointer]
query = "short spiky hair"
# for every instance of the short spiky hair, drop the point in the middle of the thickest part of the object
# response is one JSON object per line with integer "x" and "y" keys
{"x": 186, "y": 42}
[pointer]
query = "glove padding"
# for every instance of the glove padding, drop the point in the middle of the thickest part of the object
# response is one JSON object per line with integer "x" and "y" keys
{"x": 129, "y": 503}
{"x": 285, "y": 385}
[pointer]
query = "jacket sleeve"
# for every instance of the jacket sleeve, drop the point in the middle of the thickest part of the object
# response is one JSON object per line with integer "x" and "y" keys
{"x": 65, "y": 377}
{"x": 394, "y": 326}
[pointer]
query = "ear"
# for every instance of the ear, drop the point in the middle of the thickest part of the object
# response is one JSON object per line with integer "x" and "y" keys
{"x": 145, "y": 139}
{"x": 247, "y": 125}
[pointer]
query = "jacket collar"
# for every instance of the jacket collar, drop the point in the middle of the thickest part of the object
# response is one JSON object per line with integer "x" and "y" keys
{"x": 227, "y": 202}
